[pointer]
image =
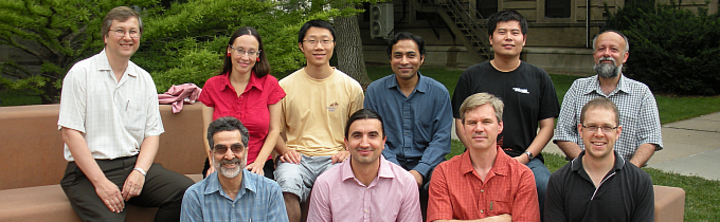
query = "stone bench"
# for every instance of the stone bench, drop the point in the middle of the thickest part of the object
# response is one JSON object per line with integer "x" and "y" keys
{"x": 29, "y": 135}
{"x": 669, "y": 203}
{"x": 49, "y": 203}
{"x": 32, "y": 162}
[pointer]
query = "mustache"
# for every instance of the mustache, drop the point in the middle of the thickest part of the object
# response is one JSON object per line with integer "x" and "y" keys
{"x": 606, "y": 59}
{"x": 233, "y": 161}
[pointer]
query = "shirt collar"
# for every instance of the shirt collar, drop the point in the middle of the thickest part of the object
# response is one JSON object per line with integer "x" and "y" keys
{"x": 420, "y": 87}
{"x": 213, "y": 185}
{"x": 576, "y": 164}
{"x": 253, "y": 82}
{"x": 385, "y": 171}
{"x": 103, "y": 64}
{"x": 499, "y": 168}
{"x": 595, "y": 85}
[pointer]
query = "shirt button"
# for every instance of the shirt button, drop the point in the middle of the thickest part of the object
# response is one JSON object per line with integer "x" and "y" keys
{"x": 481, "y": 211}
{"x": 482, "y": 191}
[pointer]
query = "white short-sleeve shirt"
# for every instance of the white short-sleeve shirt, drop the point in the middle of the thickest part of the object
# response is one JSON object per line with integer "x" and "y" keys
{"x": 113, "y": 116}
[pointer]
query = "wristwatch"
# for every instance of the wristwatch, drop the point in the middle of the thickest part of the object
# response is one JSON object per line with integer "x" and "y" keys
{"x": 529, "y": 154}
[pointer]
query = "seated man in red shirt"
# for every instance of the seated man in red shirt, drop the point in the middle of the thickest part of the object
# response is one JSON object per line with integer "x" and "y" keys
{"x": 484, "y": 182}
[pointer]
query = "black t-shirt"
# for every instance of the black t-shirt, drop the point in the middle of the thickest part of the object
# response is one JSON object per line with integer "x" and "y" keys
{"x": 527, "y": 92}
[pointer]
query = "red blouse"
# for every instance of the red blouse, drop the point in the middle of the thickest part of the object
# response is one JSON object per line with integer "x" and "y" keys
{"x": 251, "y": 107}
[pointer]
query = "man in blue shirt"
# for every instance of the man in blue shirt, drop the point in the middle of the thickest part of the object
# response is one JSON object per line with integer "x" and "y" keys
{"x": 416, "y": 109}
{"x": 232, "y": 193}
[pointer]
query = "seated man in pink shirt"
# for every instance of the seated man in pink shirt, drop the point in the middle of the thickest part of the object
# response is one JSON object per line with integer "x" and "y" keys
{"x": 368, "y": 187}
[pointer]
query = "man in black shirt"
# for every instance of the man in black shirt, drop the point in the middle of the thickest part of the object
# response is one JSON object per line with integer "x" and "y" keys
{"x": 599, "y": 185}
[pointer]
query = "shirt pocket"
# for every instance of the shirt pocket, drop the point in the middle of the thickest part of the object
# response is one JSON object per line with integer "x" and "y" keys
{"x": 500, "y": 201}
{"x": 135, "y": 117}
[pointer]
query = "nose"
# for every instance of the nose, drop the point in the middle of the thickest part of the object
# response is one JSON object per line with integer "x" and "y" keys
{"x": 319, "y": 46}
{"x": 404, "y": 60}
{"x": 365, "y": 142}
{"x": 599, "y": 133}
{"x": 479, "y": 128}
{"x": 229, "y": 155}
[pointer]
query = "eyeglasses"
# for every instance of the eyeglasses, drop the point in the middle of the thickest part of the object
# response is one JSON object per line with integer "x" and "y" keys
{"x": 606, "y": 129}
{"x": 222, "y": 149}
{"x": 121, "y": 33}
{"x": 251, "y": 54}
{"x": 324, "y": 42}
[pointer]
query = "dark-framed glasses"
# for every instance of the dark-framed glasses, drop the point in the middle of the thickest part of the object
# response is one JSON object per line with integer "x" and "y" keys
{"x": 251, "y": 54}
{"x": 121, "y": 33}
{"x": 606, "y": 129}
{"x": 222, "y": 149}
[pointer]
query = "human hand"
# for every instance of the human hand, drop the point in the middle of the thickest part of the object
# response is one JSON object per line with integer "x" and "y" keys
{"x": 291, "y": 156}
{"x": 418, "y": 177}
{"x": 133, "y": 185}
{"x": 109, "y": 193}
{"x": 256, "y": 167}
{"x": 340, "y": 157}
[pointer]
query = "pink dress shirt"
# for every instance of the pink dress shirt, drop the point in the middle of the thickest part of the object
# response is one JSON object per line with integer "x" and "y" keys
{"x": 392, "y": 196}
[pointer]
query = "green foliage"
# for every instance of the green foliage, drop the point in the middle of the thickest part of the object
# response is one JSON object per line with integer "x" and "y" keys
{"x": 56, "y": 32}
{"x": 673, "y": 50}
{"x": 184, "y": 42}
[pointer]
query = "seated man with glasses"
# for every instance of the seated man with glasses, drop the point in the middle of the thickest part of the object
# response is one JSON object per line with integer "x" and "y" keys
{"x": 232, "y": 193}
{"x": 319, "y": 101}
{"x": 599, "y": 184}
{"x": 110, "y": 124}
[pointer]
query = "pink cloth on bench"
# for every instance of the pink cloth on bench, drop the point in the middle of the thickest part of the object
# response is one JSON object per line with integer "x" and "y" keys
{"x": 179, "y": 94}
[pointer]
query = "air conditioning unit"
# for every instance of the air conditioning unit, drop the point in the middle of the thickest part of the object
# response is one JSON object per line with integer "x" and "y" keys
{"x": 382, "y": 20}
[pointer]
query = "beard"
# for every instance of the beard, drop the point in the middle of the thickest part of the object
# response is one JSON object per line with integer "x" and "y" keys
{"x": 606, "y": 70}
{"x": 227, "y": 172}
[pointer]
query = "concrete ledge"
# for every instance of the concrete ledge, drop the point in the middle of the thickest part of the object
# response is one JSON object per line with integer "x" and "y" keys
{"x": 669, "y": 203}
{"x": 49, "y": 203}
{"x": 30, "y": 135}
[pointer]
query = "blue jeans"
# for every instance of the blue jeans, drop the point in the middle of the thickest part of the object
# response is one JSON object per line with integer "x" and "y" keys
{"x": 542, "y": 175}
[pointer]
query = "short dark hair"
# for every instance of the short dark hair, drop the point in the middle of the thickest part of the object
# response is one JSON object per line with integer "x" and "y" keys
{"x": 364, "y": 114}
{"x": 315, "y": 23}
{"x": 405, "y": 36}
{"x": 504, "y": 16}
{"x": 120, "y": 13}
{"x": 227, "y": 123}
{"x": 261, "y": 68}
{"x": 600, "y": 102}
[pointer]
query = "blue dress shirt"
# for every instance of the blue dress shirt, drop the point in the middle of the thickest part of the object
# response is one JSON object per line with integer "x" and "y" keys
{"x": 259, "y": 199}
{"x": 417, "y": 126}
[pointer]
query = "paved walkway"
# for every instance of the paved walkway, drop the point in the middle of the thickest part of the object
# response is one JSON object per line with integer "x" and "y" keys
{"x": 692, "y": 147}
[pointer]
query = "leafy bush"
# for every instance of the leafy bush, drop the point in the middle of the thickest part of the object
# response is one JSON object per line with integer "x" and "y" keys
{"x": 673, "y": 50}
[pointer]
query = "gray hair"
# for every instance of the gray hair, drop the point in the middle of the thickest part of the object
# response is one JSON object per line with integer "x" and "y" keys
{"x": 227, "y": 123}
{"x": 627, "y": 42}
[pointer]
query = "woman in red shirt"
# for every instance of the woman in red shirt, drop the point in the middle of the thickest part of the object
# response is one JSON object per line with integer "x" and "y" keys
{"x": 245, "y": 90}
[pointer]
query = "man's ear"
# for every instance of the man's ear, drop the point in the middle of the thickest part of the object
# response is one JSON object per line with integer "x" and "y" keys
{"x": 300, "y": 46}
{"x": 580, "y": 129}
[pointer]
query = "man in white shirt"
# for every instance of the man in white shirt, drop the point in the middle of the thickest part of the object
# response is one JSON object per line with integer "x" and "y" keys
{"x": 110, "y": 123}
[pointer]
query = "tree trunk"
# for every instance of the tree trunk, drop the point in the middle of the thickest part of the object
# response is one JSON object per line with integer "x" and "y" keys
{"x": 349, "y": 49}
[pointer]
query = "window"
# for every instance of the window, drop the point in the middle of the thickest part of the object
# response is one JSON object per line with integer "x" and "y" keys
{"x": 487, "y": 7}
{"x": 557, "y": 8}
